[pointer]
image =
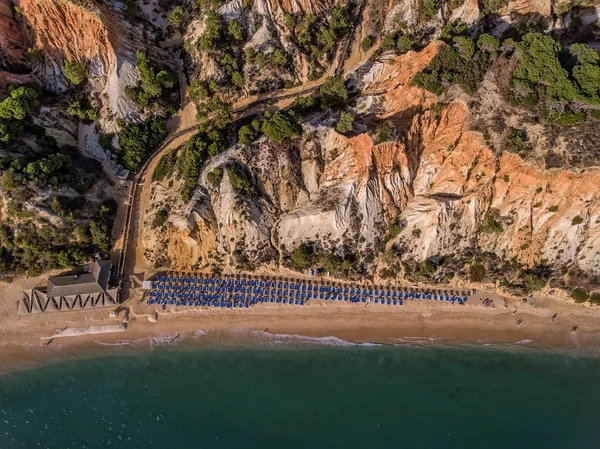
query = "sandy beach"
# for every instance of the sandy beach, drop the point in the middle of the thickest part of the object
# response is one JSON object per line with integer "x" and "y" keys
{"x": 25, "y": 339}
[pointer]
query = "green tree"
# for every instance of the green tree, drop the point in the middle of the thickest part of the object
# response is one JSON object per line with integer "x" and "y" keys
{"x": 427, "y": 268}
{"x": 105, "y": 141}
{"x": 83, "y": 111}
{"x": 281, "y": 126}
{"x": 339, "y": 20}
{"x": 366, "y": 43}
{"x": 206, "y": 143}
{"x": 588, "y": 79}
{"x": 246, "y": 135}
{"x": 477, "y": 272}
{"x": 235, "y": 31}
{"x": 213, "y": 28}
{"x": 580, "y": 295}
{"x": 166, "y": 78}
{"x": 215, "y": 176}
{"x": 388, "y": 42}
{"x": 345, "y": 123}
{"x": 136, "y": 140}
{"x": 404, "y": 44}
{"x": 539, "y": 66}
{"x": 100, "y": 234}
{"x": 334, "y": 92}
{"x": 240, "y": 180}
{"x": 74, "y": 72}
{"x": 217, "y": 111}
{"x": 488, "y": 43}
{"x": 464, "y": 46}
{"x": 177, "y": 18}
{"x": 302, "y": 257}
{"x": 583, "y": 54}
{"x": 198, "y": 90}
{"x": 280, "y": 58}
{"x": 427, "y": 10}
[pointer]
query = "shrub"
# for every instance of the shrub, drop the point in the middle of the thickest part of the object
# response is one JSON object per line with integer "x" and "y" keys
{"x": 81, "y": 109}
{"x": 387, "y": 43}
{"x": 491, "y": 222}
{"x": 105, "y": 141}
{"x": 74, "y": 72}
{"x": 366, "y": 43}
{"x": 281, "y": 126}
{"x": 492, "y": 6}
{"x": 345, "y": 123}
{"x": 395, "y": 230}
{"x": 553, "y": 208}
{"x": 427, "y": 268}
{"x": 384, "y": 131}
{"x": 160, "y": 218}
{"x": 280, "y": 58}
{"x": 212, "y": 34}
{"x": 246, "y": 135}
{"x": 198, "y": 90}
{"x": 235, "y": 31}
{"x": 240, "y": 181}
{"x": 404, "y": 44}
{"x": 452, "y": 29}
{"x": 177, "y": 18}
{"x": 515, "y": 140}
{"x": 595, "y": 298}
{"x": 215, "y": 176}
{"x": 577, "y": 220}
{"x": 333, "y": 92}
{"x": 165, "y": 167}
{"x": 595, "y": 113}
{"x": 477, "y": 272}
{"x": 427, "y": 10}
{"x": 566, "y": 118}
{"x": 302, "y": 257}
{"x": 580, "y": 295}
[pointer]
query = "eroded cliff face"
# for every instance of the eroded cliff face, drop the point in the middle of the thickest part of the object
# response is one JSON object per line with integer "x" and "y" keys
{"x": 437, "y": 179}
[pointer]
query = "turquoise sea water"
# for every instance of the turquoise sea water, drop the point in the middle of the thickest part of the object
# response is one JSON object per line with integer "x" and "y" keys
{"x": 307, "y": 396}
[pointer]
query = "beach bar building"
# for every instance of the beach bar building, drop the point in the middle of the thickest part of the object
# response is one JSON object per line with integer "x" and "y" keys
{"x": 89, "y": 288}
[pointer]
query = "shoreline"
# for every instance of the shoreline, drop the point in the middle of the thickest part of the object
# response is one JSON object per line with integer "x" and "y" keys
{"x": 417, "y": 322}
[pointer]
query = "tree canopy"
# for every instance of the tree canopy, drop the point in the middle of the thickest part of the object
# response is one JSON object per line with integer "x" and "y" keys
{"x": 281, "y": 126}
{"x": 334, "y": 92}
{"x": 136, "y": 140}
{"x": 74, "y": 72}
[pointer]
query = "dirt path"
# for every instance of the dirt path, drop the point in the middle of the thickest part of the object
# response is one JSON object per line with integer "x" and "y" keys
{"x": 183, "y": 126}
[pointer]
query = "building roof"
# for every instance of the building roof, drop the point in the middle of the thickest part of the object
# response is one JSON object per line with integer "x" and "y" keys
{"x": 94, "y": 281}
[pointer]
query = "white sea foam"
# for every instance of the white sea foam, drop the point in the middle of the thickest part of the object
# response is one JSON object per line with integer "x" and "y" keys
{"x": 524, "y": 342}
{"x": 415, "y": 340}
{"x": 263, "y": 338}
{"x": 160, "y": 340}
{"x": 200, "y": 333}
{"x": 119, "y": 343}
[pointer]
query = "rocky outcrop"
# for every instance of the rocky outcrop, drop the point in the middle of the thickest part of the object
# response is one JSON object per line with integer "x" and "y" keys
{"x": 437, "y": 179}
